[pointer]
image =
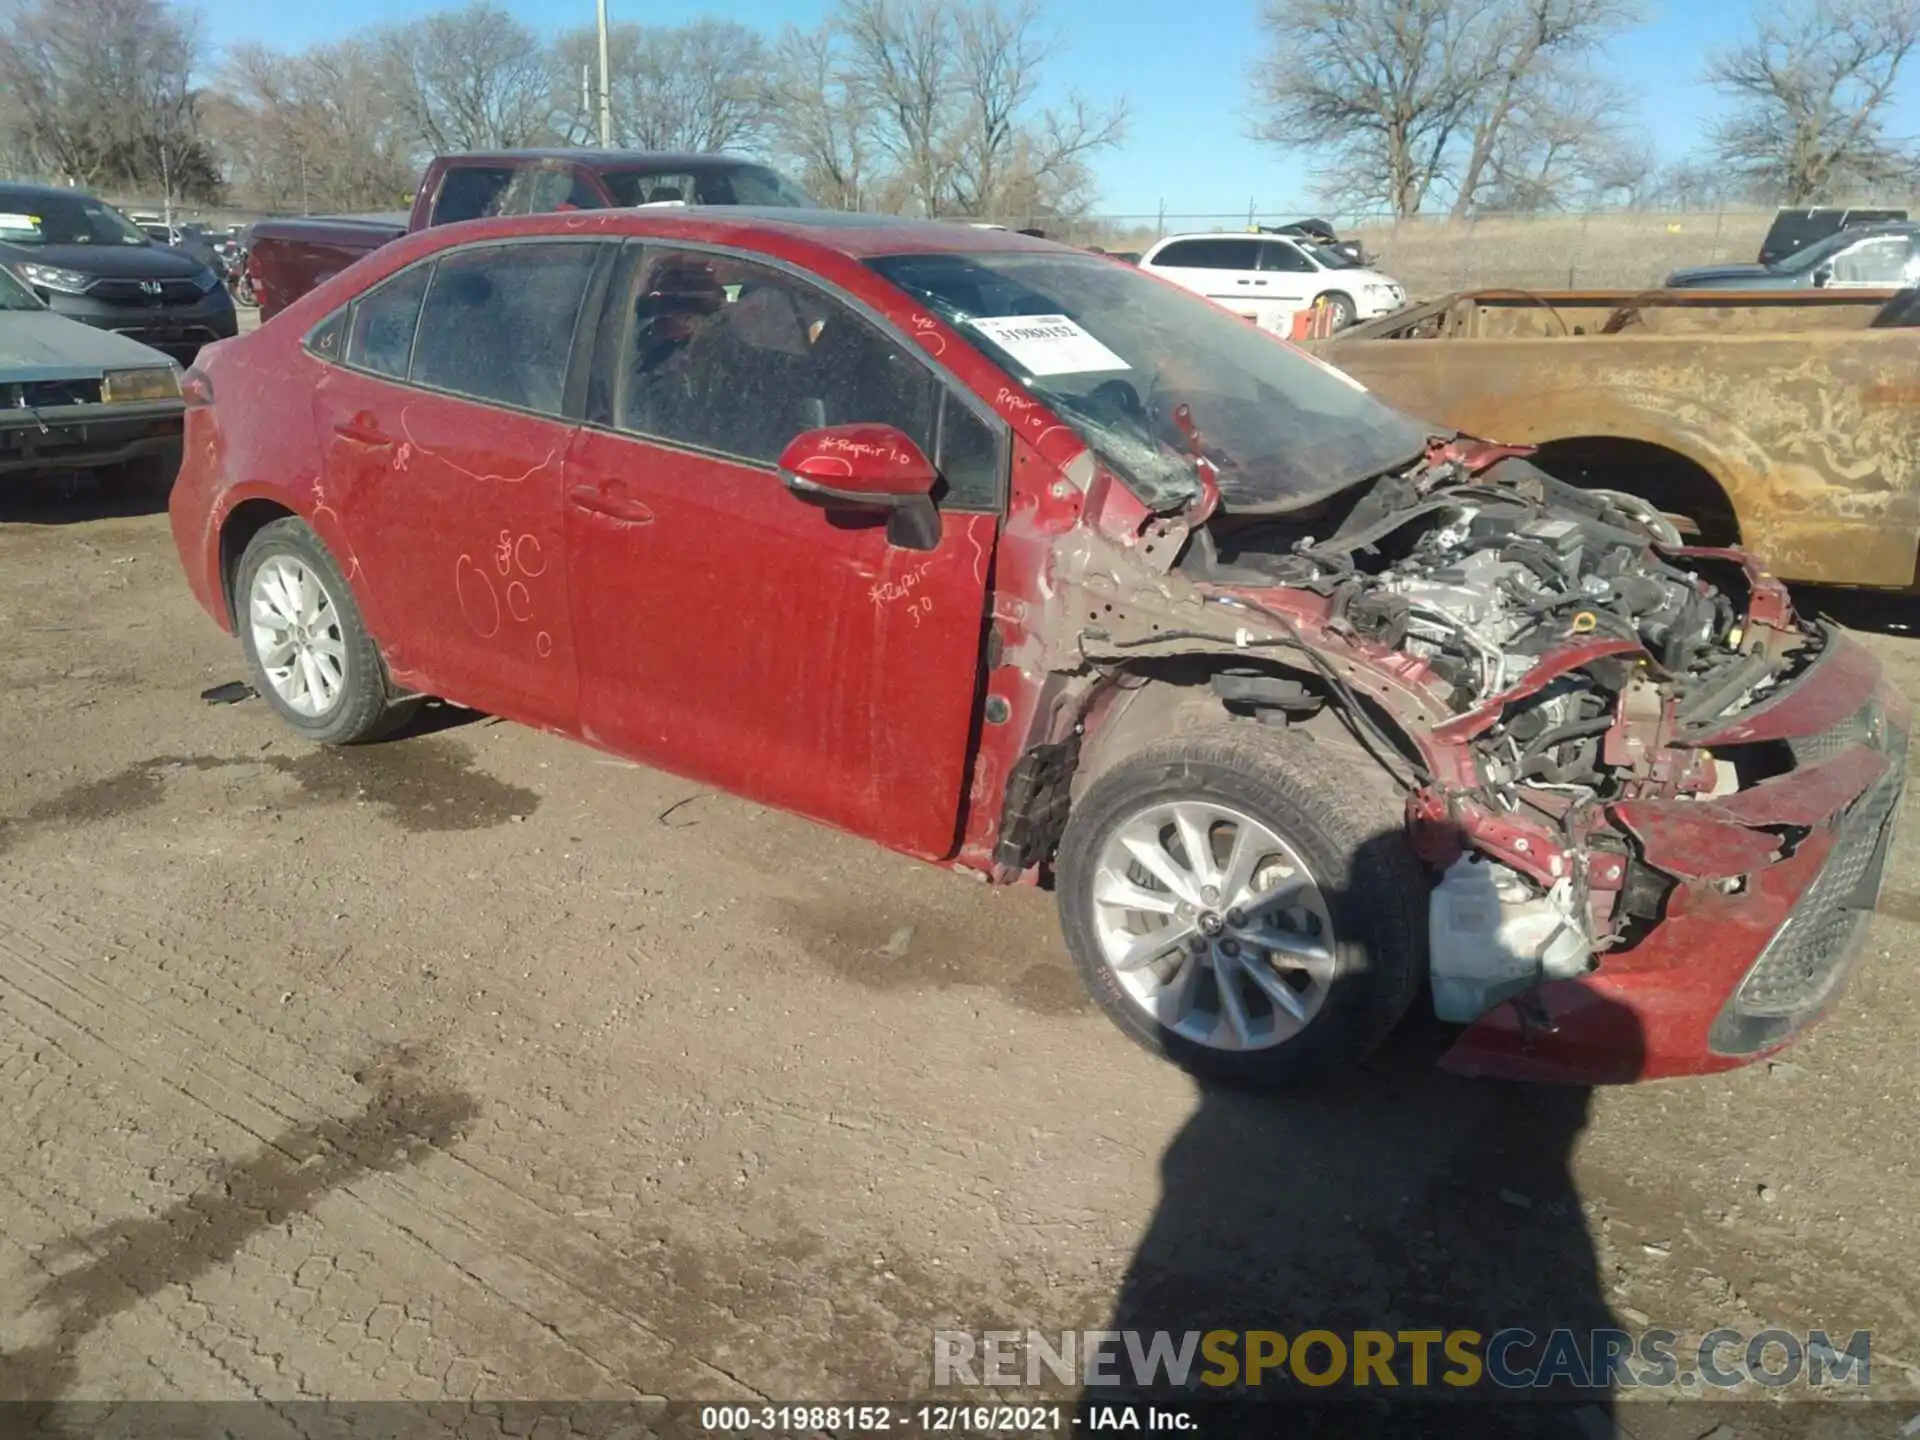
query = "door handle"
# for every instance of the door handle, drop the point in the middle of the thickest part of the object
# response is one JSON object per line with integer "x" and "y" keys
{"x": 612, "y": 504}
{"x": 1259, "y": 282}
{"x": 363, "y": 430}
{"x": 1243, "y": 282}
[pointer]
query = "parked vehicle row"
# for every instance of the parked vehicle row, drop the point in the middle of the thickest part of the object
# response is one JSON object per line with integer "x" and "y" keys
{"x": 1019, "y": 560}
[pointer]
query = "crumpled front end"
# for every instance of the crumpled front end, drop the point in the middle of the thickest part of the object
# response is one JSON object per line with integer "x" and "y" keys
{"x": 1768, "y": 894}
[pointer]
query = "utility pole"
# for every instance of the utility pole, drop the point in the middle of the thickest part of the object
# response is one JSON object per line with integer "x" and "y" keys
{"x": 606, "y": 91}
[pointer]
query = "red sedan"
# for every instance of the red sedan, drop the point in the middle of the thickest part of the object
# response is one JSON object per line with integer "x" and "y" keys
{"x": 1035, "y": 566}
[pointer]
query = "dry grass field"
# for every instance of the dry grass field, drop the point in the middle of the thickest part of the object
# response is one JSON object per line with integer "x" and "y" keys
{"x": 1557, "y": 252}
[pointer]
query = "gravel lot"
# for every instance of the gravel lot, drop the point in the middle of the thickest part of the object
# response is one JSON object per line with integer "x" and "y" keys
{"x": 479, "y": 1064}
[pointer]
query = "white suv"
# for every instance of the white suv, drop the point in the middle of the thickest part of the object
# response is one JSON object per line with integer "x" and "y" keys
{"x": 1270, "y": 278}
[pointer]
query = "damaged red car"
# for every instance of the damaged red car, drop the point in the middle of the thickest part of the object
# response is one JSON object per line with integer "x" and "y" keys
{"x": 1035, "y": 566}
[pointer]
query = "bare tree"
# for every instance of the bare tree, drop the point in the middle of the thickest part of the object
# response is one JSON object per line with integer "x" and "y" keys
{"x": 1001, "y": 161}
{"x": 316, "y": 131}
{"x": 931, "y": 106}
{"x": 471, "y": 79}
{"x": 1412, "y": 100}
{"x": 903, "y": 63}
{"x": 101, "y": 92}
{"x": 1530, "y": 104}
{"x": 1812, "y": 90}
{"x": 701, "y": 87}
{"x": 824, "y": 129}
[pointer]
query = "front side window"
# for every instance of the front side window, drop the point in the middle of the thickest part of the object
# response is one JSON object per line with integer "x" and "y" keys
{"x": 1279, "y": 255}
{"x": 1115, "y": 354}
{"x": 1884, "y": 260}
{"x": 727, "y": 355}
{"x": 499, "y": 320}
{"x": 384, "y": 321}
{"x": 471, "y": 192}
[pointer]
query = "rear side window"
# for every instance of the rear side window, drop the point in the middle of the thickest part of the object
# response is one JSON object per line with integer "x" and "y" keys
{"x": 384, "y": 320}
{"x": 1210, "y": 254}
{"x": 470, "y": 192}
{"x": 499, "y": 321}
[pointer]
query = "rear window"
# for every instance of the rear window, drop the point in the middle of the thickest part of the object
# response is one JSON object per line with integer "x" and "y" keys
{"x": 721, "y": 185}
{"x": 470, "y": 192}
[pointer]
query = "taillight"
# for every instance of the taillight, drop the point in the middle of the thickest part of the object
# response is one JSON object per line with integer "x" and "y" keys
{"x": 196, "y": 389}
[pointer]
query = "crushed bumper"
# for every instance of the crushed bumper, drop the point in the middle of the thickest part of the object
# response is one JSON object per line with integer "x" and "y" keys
{"x": 1726, "y": 978}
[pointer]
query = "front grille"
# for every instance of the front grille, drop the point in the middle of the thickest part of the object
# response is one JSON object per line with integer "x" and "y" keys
{"x": 128, "y": 292}
{"x": 1802, "y": 962}
{"x": 49, "y": 394}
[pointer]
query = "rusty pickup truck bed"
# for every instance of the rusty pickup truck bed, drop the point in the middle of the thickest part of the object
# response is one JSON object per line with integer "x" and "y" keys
{"x": 1788, "y": 422}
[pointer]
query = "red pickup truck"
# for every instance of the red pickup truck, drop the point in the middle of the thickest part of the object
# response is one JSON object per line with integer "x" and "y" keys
{"x": 290, "y": 257}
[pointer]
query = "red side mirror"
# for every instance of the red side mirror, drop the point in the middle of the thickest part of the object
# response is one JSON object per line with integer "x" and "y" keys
{"x": 860, "y": 465}
{"x": 872, "y": 468}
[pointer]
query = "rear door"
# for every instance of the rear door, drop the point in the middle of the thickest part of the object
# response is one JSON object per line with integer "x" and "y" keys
{"x": 445, "y": 438}
{"x": 728, "y": 630}
{"x": 1224, "y": 269}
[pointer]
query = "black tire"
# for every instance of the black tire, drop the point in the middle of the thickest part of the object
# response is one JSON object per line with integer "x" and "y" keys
{"x": 366, "y": 707}
{"x": 1343, "y": 818}
{"x": 1344, "y": 310}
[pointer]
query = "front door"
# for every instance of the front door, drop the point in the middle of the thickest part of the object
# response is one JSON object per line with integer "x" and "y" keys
{"x": 446, "y": 456}
{"x": 734, "y": 633}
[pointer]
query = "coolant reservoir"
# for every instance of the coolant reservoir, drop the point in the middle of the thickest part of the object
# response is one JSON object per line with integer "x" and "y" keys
{"x": 1493, "y": 934}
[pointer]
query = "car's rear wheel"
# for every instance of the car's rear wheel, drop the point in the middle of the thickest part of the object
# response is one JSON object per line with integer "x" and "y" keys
{"x": 1245, "y": 905}
{"x": 309, "y": 651}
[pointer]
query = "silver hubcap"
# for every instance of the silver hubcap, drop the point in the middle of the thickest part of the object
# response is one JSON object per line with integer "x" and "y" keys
{"x": 296, "y": 634}
{"x": 1213, "y": 925}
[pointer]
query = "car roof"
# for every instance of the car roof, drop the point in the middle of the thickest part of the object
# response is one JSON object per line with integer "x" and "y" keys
{"x": 859, "y": 236}
{"x": 613, "y": 159}
{"x": 42, "y": 192}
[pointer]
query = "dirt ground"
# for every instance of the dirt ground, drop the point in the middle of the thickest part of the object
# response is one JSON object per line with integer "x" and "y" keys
{"x": 479, "y": 1064}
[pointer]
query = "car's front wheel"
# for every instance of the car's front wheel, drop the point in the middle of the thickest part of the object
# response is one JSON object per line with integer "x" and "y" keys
{"x": 309, "y": 651}
{"x": 1342, "y": 306}
{"x": 1245, "y": 905}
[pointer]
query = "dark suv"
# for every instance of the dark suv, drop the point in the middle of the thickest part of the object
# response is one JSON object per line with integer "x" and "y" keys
{"x": 92, "y": 264}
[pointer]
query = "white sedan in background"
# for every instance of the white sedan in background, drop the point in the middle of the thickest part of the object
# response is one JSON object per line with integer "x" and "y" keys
{"x": 1271, "y": 278}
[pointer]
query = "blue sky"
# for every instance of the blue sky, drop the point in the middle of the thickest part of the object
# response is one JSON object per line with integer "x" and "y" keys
{"x": 1182, "y": 66}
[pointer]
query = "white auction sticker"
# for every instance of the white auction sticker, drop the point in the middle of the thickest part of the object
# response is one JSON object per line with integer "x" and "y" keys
{"x": 28, "y": 223}
{"x": 1048, "y": 344}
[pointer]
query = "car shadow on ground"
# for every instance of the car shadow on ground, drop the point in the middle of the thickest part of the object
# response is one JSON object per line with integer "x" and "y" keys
{"x": 1877, "y": 612}
{"x": 72, "y": 500}
{"x": 1403, "y": 1199}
